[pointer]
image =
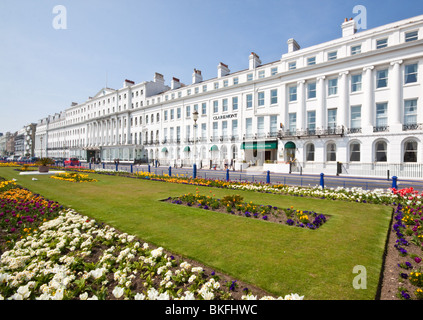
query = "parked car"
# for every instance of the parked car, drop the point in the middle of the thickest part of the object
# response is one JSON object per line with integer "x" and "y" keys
{"x": 72, "y": 162}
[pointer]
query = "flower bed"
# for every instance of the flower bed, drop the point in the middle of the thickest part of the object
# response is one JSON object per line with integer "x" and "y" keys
{"x": 235, "y": 205}
{"x": 74, "y": 258}
{"x": 62, "y": 255}
{"x": 73, "y": 177}
{"x": 21, "y": 213}
{"x": 409, "y": 244}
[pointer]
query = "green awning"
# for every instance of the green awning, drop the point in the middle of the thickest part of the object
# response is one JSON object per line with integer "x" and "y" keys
{"x": 290, "y": 145}
{"x": 214, "y": 148}
{"x": 187, "y": 149}
{"x": 164, "y": 149}
{"x": 267, "y": 145}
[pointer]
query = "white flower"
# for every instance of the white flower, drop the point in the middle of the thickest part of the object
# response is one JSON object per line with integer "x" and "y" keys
{"x": 192, "y": 278}
{"x": 97, "y": 273}
{"x": 118, "y": 292}
{"x": 249, "y": 297}
{"x": 152, "y": 294}
{"x": 189, "y": 295}
{"x": 83, "y": 296}
{"x": 94, "y": 297}
{"x": 293, "y": 296}
{"x": 139, "y": 296}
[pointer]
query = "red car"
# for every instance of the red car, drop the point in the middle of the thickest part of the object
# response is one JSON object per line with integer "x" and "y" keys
{"x": 72, "y": 162}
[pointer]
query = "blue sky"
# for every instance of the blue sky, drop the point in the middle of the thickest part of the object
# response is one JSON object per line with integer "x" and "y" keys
{"x": 43, "y": 69}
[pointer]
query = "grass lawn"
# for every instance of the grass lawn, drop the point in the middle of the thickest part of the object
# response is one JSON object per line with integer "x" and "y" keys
{"x": 278, "y": 258}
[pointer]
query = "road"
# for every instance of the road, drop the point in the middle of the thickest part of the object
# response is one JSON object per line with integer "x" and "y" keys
{"x": 294, "y": 179}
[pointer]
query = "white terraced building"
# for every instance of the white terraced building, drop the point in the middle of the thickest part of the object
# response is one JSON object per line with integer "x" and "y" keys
{"x": 353, "y": 103}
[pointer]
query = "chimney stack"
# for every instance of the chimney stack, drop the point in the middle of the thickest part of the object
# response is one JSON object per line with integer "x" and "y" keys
{"x": 348, "y": 27}
{"x": 254, "y": 61}
{"x": 175, "y": 84}
{"x": 158, "y": 78}
{"x": 222, "y": 70}
{"x": 128, "y": 83}
{"x": 196, "y": 76}
{"x": 293, "y": 45}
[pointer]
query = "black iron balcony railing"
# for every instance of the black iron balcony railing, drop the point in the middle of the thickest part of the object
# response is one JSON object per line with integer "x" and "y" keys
{"x": 330, "y": 131}
{"x": 412, "y": 126}
{"x": 381, "y": 129}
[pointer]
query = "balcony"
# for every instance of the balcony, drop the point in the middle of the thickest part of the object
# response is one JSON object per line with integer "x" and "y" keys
{"x": 328, "y": 132}
{"x": 381, "y": 129}
{"x": 354, "y": 130}
{"x": 412, "y": 126}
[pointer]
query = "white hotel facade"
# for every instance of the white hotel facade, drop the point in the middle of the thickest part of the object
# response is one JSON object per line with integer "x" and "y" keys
{"x": 356, "y": 100}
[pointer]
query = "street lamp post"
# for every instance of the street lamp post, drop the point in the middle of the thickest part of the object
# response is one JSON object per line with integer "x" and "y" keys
{"x": 195, "y": 117}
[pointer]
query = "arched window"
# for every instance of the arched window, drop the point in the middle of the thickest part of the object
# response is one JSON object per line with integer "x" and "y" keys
{"x": 331, "y": 152}
{"x": 410, "y": 151}
{"x": 381, "y": 151}
{"x": 355, "y": 151}
{"x": 310, "y": 152}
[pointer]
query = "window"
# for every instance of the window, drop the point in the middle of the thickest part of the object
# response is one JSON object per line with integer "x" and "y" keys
{"x": 410, "y": 73}
{"x": 331, "y": 152}
{"x": 411, "y": 36}
{"x": 273, "y": 96}
{"x": 410, "y": 112}
{"x": 225, "y": 105}
{"x": 354, "y": 151}
{"x": 355, "y": 50}
{"x": 273, "y": 71}
{"x": 249, "y": 127}
{"x": 310, "y": 152}
{"x": 273, "y": 125}
{"x": 178, "y": 113}
{"x": 292, "y": 93}
{"x": 203, "y": 108}
{"x": 332, "y": 118}
{"x": 215, "y": 106}
{"x": 311, "y": 121}
{"x": 356, "y": 83}
{"x": 235, "y": 103}
{"x": 382, "y": 78}
{"x": 235, "y": 129}
{"x": 187, "y": 132}
{"x": 292, "y": 66}
{"x": 260, "y": 126}
{"x": 332, "y": 55}
{"x": 311, "y": 61}
{"x": 249, "y": 77}
{"x": 203, "y": 131}
{"x": 188, "y": 111}
{"x": 292, "y": 122}
{"x": 224, "y": 129}
{"x": 225, "y": 83}
{"x": 172, "y": 114}
{"x": 332, "y": 86}
{"x": 196, "y": 90}
{"x": 381, "y": 115}
{"x": 261, "y": 74}
{"x": 410, "y": 151}
{"x": 216, "y": 85}
{"x": 380, "y": 150}
{"x": 260, "y": 99}
{"x": 215, "y": 130}
{"x": 249, "y": 101}
{"x": 355, "y": 117}
{"x": 381, "y": 43}
{"x": 236, "y": 81}
{"x": 311, "y": 90}
{"x": 188, "y": 92}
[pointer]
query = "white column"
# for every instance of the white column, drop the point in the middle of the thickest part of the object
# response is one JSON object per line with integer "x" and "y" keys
{"x": 301, "y": 105}
{"x": 395, "y": 105}
{"x": 321, "y": 103}
{"x": 343, "y": 100}
{"x": 117, "y": 131}
{"x": 367, "y": 109}
{"x": 128, "y": 129}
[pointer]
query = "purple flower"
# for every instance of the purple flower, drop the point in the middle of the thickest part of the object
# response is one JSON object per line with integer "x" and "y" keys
{"x": 417, "y": 259}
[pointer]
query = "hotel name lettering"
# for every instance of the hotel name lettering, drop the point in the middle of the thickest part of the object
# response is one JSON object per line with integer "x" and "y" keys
{"x": 226, "y": 116}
